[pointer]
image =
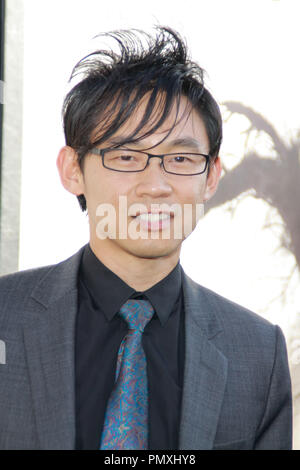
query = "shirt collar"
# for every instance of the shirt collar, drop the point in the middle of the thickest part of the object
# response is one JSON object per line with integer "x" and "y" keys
{"x": 110, "y": 292}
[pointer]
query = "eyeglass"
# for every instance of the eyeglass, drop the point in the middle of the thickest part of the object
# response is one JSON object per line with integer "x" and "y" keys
{"x": 129, "y": 161}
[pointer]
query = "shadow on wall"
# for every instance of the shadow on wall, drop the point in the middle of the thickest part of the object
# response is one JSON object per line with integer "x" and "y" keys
{"x": 277, "y": 182}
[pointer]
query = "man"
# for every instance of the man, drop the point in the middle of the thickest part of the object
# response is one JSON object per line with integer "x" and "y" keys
{"x": 116, "y": 347}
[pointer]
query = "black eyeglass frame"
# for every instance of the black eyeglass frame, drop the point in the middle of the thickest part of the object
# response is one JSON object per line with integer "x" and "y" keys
{"x": 102, "y": 152}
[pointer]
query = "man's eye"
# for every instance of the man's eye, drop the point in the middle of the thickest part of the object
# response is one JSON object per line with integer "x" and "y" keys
{"x": 125, "y": 158}
{"x": 179, "y": 158}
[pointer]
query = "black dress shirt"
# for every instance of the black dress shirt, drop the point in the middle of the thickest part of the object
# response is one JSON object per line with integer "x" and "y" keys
{"x": 99, "y": 333}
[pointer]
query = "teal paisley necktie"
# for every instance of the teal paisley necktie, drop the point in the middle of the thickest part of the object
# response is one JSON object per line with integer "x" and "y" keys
{"x": 126, "y": 419}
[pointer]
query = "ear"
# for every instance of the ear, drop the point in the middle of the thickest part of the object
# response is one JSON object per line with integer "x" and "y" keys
{"x": 69, "y": 170}
{"x": 213, "y": 179}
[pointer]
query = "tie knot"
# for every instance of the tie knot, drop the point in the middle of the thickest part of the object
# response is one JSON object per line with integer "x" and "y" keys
{"x": 137, "y": 313}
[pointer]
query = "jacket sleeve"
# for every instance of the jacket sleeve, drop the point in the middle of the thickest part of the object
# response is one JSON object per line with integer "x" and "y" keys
{"x": 275, "y": 430}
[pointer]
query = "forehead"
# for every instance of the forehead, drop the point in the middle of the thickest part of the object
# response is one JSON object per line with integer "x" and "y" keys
{"x": 182, "y": 123}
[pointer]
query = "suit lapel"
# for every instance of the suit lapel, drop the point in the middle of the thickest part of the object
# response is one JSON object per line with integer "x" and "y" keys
{"x": 49, "y": 336}
{"x": 205, "y": 371}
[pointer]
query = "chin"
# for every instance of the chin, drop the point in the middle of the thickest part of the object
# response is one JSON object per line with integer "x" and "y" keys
{"x": 153, "y": 250}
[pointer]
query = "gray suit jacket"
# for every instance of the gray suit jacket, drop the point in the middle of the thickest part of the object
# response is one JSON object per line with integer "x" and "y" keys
{"x": 236, "y": 392}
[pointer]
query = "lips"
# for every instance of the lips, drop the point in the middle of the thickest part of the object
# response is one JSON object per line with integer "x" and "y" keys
{"x": 153, "y": 220}
{"x": 153, "y": 217}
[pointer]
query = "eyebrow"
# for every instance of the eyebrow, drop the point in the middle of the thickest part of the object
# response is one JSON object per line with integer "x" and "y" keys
{"x": 186, "y": 142}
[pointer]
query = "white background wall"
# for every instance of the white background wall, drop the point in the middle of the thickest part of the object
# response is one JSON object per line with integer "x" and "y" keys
{"x": 250, "y": 50}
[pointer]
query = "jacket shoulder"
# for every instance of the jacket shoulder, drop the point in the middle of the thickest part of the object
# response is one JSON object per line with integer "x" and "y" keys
{"x": 232, "y": 311}
{"x": 44, "y": 284}
{"x": 21, "y": 280}
{"x": 240, "y": 327}
{"x": 226, "y": 310}
{"x": 15, "y": 288}
{"x": 254, "y": 338}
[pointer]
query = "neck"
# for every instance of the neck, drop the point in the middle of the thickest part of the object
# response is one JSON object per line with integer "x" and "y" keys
{"x": 138, "y": 272}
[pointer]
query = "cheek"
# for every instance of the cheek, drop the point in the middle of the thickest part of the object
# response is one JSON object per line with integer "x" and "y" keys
{"x": 101, "y": 187}
{"x": 193, "y": 191}
{"x": 194, "y": 206}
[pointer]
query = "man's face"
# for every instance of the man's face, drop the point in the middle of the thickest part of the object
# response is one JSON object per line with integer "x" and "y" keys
{"x": 150, "y": 191}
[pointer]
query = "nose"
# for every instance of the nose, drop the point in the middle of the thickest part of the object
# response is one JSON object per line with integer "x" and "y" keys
{"x": 153, "y": 181}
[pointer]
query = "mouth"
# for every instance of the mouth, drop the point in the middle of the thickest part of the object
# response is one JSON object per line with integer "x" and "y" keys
{"x": 153, "y": 221}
